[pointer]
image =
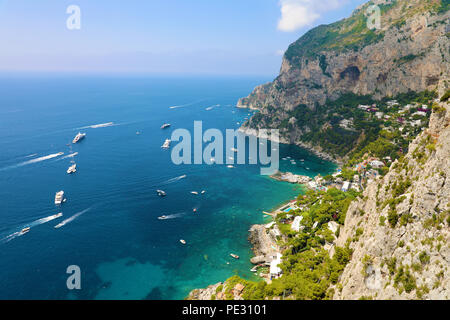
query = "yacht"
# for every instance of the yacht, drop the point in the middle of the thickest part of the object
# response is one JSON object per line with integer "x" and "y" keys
{"x": 166, "y": 144}
{"x": 25, "y": 230}
{"x": 183, "y": 241}
{"x": 162, "y": 218}
{"x": 72, "y": 169}
{"x": 80, "y": 136}
{"x": 203, "y": 192}
{"x": 59, "y": 197}
{"x": 165, "y": 125}
{"x": 161, "y": 193}
{"x": 234, "y": 256}
{"x": 194, "y": 192}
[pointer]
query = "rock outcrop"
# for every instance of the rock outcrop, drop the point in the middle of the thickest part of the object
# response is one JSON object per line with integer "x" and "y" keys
{"x": 404, "y": 250}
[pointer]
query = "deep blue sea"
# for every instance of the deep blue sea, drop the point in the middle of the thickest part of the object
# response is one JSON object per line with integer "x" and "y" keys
{"x": 113, "y": 234}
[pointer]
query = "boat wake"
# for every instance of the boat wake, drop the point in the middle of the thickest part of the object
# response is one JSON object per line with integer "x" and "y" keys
{"x": 31, "y": 225}
{"x": 45, "y": 220}
{"x": 172, "y": 216}
{"x": 72, "y": 155}
{"x": 40, "y": 159}
{"x": 69, "y": 220}
{"x": 174, "y": 180}
{"x": 186, "y": 105}
{"x": 100, "y": 125}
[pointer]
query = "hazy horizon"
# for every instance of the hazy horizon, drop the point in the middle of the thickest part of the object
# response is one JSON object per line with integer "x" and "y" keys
{"x": 159, "y": 37}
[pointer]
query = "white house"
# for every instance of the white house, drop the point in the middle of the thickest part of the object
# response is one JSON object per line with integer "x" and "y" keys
{"x": 275, "y": 270}
{"x": 377, "y": 164}
{"x": 420, "y": 113}
{"x": 296, "y": 223}
{"x": 345, "y": 186}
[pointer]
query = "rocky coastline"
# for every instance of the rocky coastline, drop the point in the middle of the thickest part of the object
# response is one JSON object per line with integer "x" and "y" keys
{"x": 316, "y": 150}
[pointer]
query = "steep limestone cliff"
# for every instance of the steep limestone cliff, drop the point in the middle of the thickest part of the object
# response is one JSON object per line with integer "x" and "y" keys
{"x": 410, "y": 52}
{"x": 404, "y": 250}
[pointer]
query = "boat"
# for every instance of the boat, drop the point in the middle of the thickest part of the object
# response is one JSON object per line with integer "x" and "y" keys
{"x": 165, "y": 125}
{"x": 203, "y": 192}
{"x": 80, "y": 136}
{"x": 183, "y": 241}
{"x": 234, "y": 149}
{"x": 59, "y": 197}
{"x": 194, "y": 192}
{"x": 166, "y": 144}
{"x": 254, "y": 269}
{"x": 72, "y": 169}
{"x": 163, "y": 218}
{"x": 25, "y": 230}
{"x": 234, "y": 255}
{"x": 195, "y": 210}
{"x": 230, "y": 166}
{"x": 161, "y": 193}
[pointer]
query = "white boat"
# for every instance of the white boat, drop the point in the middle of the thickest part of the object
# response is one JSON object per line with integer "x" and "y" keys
{"x": 165, "y": 125}
{"x": 80, "y": 136}
{"x": 24, "y": 230}
{"x": 183, "y": 241}
{"x": 230, "y": 166}
{"x": 59, "y": 197}
{"x": 234, "y": 149}
{"x": 166, "y": 144}
{"x": 163, "y": 218}
{"x": 234, "y": 255}
{"x": 72, "y": 169}
{"x": 203, "y": 192}
{"x": 161, "y": 193}
{"x": 194, "y": 192}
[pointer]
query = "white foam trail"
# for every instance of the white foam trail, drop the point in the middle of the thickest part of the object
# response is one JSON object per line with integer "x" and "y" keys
{"x": 72, "y": 155}
{"x": 175, "y": 179}
{"x": 186, "y": 105}
{"x": 50, "y": 156}
{"x": 12, "y": 236}
{"x": 76, "y": 215}
{"x": 174, "y": 216}
{"x": 96, "y": 126}
{"x": 45, "y": 220}
{"x": 31, "y": 155}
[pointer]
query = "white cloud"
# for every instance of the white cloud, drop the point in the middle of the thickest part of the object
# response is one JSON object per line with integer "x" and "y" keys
{"x": 296, "y": 14}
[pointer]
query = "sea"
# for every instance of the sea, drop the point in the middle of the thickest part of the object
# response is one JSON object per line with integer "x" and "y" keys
{"x": 109, "y": 226}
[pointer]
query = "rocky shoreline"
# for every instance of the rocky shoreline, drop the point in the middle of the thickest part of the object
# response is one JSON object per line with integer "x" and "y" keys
{"x": 317, "y": 151}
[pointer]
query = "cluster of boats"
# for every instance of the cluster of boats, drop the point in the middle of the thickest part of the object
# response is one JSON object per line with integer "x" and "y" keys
{"x": 59, "y": 197}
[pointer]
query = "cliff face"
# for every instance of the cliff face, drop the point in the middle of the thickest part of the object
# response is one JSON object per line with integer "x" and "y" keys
{"x": 411, "y": 52}
{"x": 403, "y": 252}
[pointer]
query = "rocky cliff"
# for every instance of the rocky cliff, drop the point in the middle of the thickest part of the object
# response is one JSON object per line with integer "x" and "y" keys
{"x": 404, "y": 218}
{"x": 409, "y": 52}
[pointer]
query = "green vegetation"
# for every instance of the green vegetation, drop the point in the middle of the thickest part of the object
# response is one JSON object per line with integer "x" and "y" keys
{"x": 446, "y": 96}
{"x": 307, "y": 276}
{"x": 404, "y": 280}
{"x": 348, "y": 34}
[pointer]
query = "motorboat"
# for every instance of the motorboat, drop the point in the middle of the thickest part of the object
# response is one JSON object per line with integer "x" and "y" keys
{"x": 80, "y": 136}
{"x": 161, "y": 193}
{"x": 59, "y": 197}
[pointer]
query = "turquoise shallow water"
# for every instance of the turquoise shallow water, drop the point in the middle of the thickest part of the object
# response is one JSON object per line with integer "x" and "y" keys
{"x": 123, "y": 250}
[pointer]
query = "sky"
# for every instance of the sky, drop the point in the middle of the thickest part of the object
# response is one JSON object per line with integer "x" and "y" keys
{"x": 235, "y": 37}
